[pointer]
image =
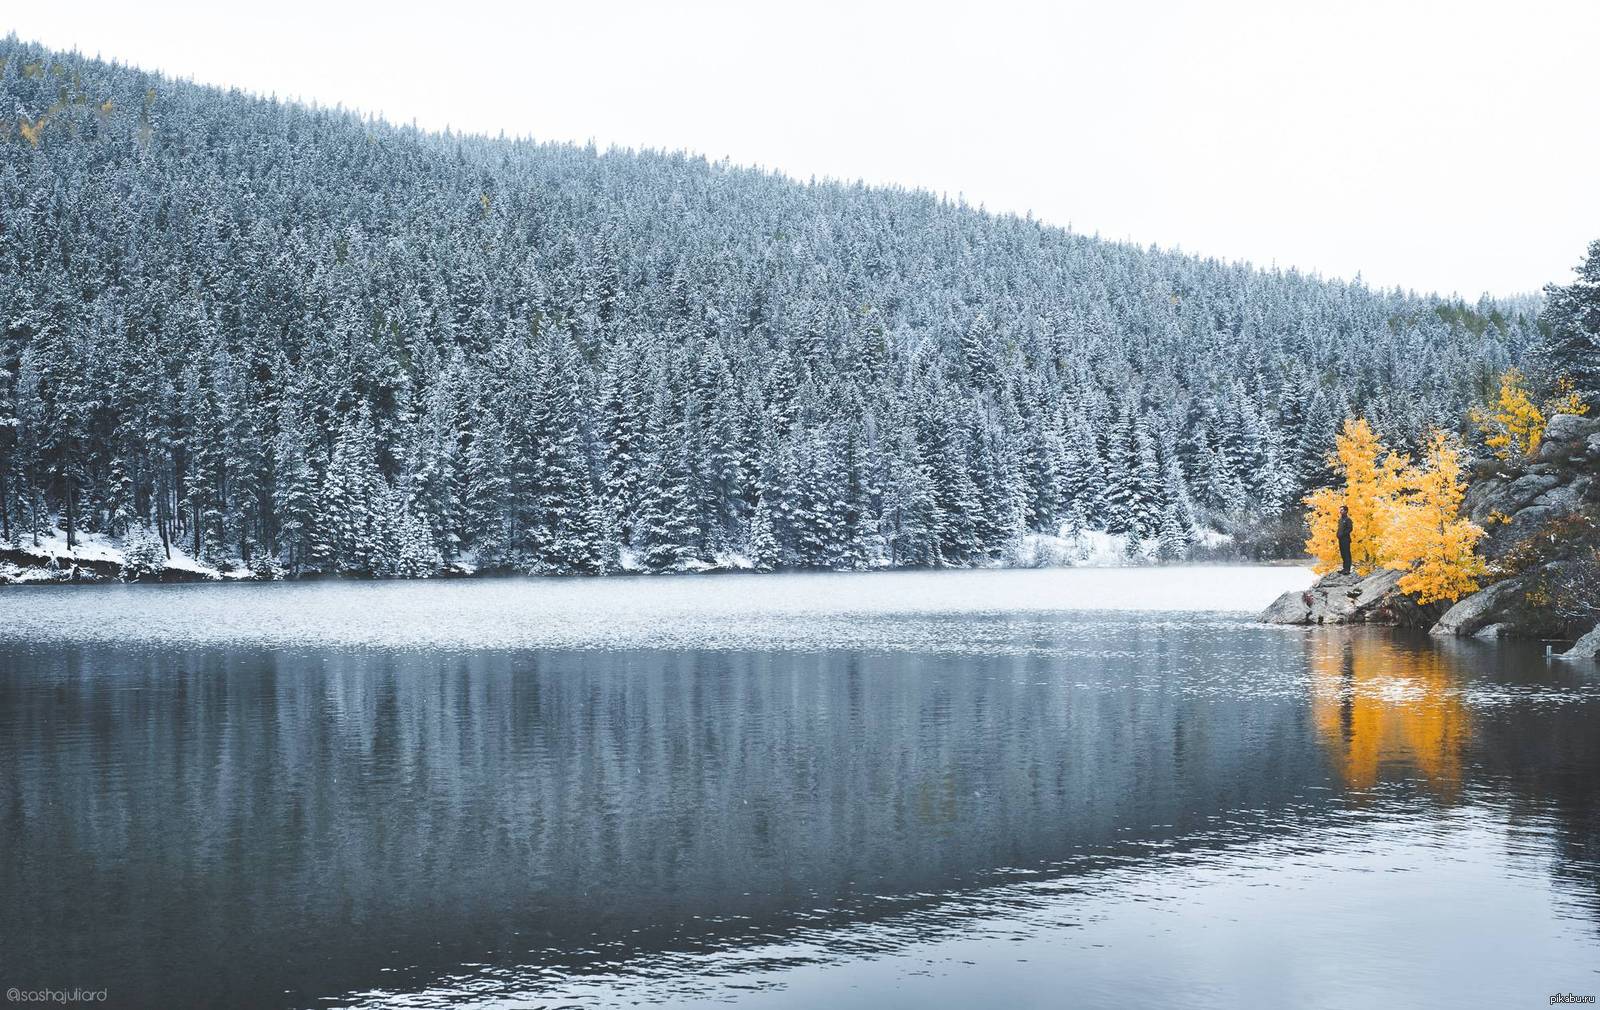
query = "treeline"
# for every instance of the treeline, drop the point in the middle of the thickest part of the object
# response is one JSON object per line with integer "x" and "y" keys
{"x": 294, "y": 338}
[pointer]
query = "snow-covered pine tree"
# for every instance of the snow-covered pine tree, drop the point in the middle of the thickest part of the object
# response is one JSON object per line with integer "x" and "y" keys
{"x": 144, "y": 557}
{"x": 483, "y": 491}
{"x": 1172, "y": 537}
{"x": 356, "y": 500}
{"x": 665, "y": 530}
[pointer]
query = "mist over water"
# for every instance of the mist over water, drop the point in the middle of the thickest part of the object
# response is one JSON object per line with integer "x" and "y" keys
{"x": 1059, "y": 806}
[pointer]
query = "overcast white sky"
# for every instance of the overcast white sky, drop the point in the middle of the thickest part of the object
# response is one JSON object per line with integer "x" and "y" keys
{"x": 1449, "y": 146}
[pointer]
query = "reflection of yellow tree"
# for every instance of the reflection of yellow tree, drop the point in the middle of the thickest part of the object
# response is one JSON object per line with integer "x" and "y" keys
{"x": 1378, "y": 704}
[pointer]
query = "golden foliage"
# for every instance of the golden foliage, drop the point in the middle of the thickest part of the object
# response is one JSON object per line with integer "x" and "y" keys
{"x": 1403, "y": 516}
{"x": 1423, "y": 533}
{"x": 1514, "y": 424}
{"x": 1566, "y": 399}
{"x": 1369, "y": 473}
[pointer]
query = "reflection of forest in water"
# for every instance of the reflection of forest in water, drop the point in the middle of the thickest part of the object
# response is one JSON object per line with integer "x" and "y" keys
{"x": 252, "y": 809}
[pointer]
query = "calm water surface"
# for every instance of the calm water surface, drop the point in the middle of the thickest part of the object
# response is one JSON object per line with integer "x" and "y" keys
{"x": 535, "y": 794}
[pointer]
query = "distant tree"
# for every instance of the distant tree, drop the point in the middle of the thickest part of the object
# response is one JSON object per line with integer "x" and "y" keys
{"x": 1571, "y": 317}
{"x": 1172, "y": 538}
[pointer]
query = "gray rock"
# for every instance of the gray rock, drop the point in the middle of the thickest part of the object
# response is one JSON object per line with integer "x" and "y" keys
{"x": 1350, "y": 599}
{"x": 1562, "y": 454}
{"x": 1492, "y": 632}
{"x": 1592, "y": 447}
{"x": 1522, "y": 492}
{"x": 1290, "y": 608}
{"x": 1483, "y": 494}
{"x": 1570, "y": 428}
{"x": 1558, "y": 499}
{"x": 1484, "y": 467}
{"x": 1530, "y": 517}
{"x": 1472, "y": 614}
{"x": 1587, "y": 647}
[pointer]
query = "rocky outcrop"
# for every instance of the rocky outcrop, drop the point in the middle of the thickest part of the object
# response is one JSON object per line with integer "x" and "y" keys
{"x": 1491, "y": 608}
{"x": 1351, "y": 599}
{"x": 1513, "y": 500}
{"x": 1539, "y": 516}
{"x": 1587, "y": 647}
{"x": 1570, "y": 438}
{"x": 1541, "y": 520}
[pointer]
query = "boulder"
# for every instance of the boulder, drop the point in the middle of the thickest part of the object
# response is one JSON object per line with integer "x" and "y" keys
{"x": 1522, "y": 492}
{"x": 1482, "y": 609}
{"x": 1566, "y": 438}
{"x": 1534, "y": 514}
{"x": 1290, "y": 608}
{"x": 1587, "y": 647}
{"x": 1570, "y": 428}
{"x": 1351, "y": 599}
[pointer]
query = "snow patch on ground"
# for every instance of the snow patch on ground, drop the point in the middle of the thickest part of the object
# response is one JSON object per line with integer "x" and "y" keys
{"x": 1212, "y": 538}
{"x": 52, "y": 545}
{"x": 56, "y": 558}
{"x": 1094, "y": 548}
{"x": 13, "y": 575}
{"x": 177, "y": 560}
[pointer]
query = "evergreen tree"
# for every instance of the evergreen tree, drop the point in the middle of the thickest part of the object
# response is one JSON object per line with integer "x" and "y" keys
{"x": 665, "y": 531}
{"x": 1571, "y": 316}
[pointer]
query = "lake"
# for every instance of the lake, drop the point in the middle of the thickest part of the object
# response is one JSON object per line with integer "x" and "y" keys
{"x": 938, "y": 789}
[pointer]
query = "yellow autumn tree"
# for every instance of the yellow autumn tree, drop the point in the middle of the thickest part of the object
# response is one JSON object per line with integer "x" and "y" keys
{"x": 1566, "y": 399}
{"x": 1515, "y": 423}
{"x": 1370, "y": 475}
{"x": 1424, "y": 535}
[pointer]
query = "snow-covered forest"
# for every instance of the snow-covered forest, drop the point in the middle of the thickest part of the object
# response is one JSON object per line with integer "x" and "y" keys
{"x": 295, "y": 339}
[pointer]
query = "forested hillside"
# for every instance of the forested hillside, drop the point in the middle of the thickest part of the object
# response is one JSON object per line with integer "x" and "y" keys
{"x": 292, "y": 337}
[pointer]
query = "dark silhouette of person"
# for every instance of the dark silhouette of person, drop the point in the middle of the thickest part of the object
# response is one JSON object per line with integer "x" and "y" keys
{"x": 1345, "y": 527}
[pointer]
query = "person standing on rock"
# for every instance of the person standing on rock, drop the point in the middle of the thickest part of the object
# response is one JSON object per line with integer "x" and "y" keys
{"x": 1345, "y": 529}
